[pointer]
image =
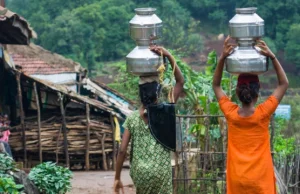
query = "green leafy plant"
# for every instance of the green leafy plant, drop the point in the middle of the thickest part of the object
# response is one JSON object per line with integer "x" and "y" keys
{"x": 206, "y": 186}
{"x": 6, "y": 163}
{"x": 8, "y": 185}
{"x": 51, "y": 179}
{"x": 7, "y": 182}
{"x": 125, "y": 83}
{"x": 283, "y": 146}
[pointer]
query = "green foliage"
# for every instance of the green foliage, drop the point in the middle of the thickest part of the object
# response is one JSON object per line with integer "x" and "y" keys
{"x": 180, "y": 32}
{"x": 271, "y": 44}
{"x": 51, "y": 179}
{"x": 93, "y": 31}
{"x": 125, "y": 83}
{"x": 284, "y": 147}
{"x": 206, "y": 185}
{"x": 294, "y": 124}
{"x": 293, "y": 44}
{"x": 7, "y": 182}
{"x": 6, "y": 163}
{"x": 8, "y": 185}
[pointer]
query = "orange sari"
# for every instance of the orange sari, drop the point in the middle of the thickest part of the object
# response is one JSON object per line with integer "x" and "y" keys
{"x": 249, "y": 162}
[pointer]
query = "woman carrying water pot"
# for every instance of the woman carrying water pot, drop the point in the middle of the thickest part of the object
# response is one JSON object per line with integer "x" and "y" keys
{"x": 249, "y": 161}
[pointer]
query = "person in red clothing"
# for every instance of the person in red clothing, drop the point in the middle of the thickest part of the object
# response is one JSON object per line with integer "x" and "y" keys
{"x": 249, "y": 162}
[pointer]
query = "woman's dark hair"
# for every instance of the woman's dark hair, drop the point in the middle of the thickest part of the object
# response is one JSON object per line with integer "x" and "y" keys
{"x": 247, "y": 93}
{"x": 149, "y": 92}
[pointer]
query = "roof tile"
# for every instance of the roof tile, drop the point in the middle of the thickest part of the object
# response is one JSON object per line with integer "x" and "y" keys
{"x": 32, "y": 66}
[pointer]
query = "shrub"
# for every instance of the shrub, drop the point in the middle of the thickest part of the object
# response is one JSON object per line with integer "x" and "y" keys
{"x": 51, "y": 179}
{"x": 6, "y": 163}
{"x": 7, "y": 182}
{"x": 8, "y": 185}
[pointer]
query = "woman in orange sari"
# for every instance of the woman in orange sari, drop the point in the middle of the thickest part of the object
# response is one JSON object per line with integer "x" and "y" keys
{"x": 249, "y": 161}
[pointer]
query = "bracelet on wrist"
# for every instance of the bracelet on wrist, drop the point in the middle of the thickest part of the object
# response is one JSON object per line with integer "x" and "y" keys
{"x": 272, "y": 58}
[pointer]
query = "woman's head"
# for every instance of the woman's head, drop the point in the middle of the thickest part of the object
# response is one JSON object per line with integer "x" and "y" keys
{"x": 247, "y": 88}
{"x": 149, "y": 93}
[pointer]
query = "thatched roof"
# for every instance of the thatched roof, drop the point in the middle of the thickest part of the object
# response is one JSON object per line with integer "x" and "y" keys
{"x": 104, "y": 86}
{"x": 71, "y": 94}
{"x": 14, "y": 29}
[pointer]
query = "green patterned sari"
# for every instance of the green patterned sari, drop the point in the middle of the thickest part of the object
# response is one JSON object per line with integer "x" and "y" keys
{"x": 151, "y": 169}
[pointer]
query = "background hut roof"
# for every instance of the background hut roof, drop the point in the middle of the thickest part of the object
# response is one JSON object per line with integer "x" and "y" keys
{"x": 36, "y": 60}
{"x": 14, "y": 29}
{"x": 104, "y": 86}
{"x": 71, "y": 94}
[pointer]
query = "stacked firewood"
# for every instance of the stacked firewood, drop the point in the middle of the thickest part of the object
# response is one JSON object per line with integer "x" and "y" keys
{"x": 52, "y": 138}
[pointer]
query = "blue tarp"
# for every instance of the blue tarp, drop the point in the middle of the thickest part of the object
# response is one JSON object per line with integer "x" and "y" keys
{"x": 284, "y": 111}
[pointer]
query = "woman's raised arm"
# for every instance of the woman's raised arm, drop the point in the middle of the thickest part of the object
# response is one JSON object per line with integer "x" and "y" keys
{"x": 283, "y": 82}
{"x": 227, "y": 49}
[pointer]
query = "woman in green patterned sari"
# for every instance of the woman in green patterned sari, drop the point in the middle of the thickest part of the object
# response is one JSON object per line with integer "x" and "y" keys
{"x": 151, "y": 169}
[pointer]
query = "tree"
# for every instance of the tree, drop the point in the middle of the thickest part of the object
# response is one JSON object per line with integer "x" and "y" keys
{"x": 103, "y": 24}
{"x": 293, "y": 45}
{"x": 180, "y": 31}
{"x": 67, "y": 35}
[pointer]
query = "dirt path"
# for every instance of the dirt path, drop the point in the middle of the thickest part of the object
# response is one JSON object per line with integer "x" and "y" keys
{"x": 99, "y": 182}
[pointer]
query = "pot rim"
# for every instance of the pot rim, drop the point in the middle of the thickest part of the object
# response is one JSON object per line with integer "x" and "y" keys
{"x": 145, "y": 11}
{"x": 247, "y": 10}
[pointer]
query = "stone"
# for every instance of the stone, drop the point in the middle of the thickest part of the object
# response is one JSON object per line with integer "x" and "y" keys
{"x": 22, "y": 178}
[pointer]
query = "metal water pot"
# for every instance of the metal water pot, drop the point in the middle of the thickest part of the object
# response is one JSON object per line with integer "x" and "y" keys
{"x": 145, "y": 28}
{"x": 246, "y": 27}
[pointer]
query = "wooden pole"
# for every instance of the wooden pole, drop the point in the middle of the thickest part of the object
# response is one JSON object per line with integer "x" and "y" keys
{"x": 18, "y": 78}
{"x": 114, "y": 142}
{"x": 87, "y": 154}
{"x": 39, "y": 121}
{"x": 64, "y": 126}
{"x": 79, "y": 85}
{"x": 103, "y": 152}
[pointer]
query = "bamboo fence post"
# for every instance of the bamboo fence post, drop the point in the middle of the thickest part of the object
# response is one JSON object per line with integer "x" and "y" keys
{"x": 87, "y": 154}
{"x": 114, "y": 142}
{"x": 22, "y": 116}
{"x": 64, "y": 126}
{"x": 39, "y": 121}
{"x": 103, "y": 152}
{"x": 272, "y": 131}
{"x": 79, "y": 85}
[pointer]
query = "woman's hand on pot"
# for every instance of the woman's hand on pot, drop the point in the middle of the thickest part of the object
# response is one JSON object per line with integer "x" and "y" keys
{"x": 118, "y": 185}
{"x": 228, "y": 47}
{"x": 160, "y": 50}
{"x": 265, "y": 50}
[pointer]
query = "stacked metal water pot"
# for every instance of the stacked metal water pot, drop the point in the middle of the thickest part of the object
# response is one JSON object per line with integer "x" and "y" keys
{"x": 246, "y": 27}
{"x": 145, "y": 28}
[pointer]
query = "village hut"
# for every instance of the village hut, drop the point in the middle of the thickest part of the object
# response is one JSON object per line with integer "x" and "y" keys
{"x": 51, "y": 121}
{"x": 40, "y": 63}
